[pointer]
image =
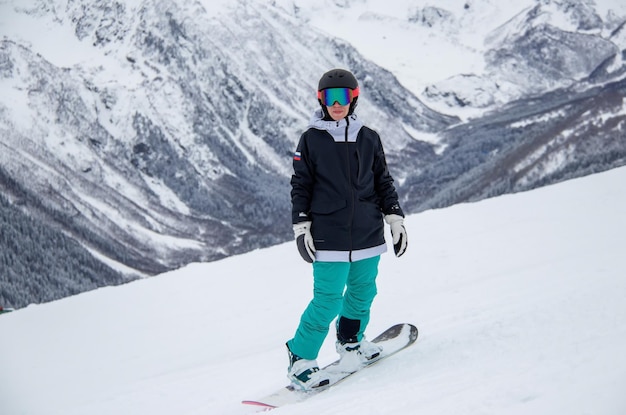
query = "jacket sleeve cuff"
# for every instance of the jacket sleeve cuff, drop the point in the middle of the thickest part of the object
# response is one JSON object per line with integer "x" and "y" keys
{"x": 394, "y": 210}
{"x": 298, "y": 217}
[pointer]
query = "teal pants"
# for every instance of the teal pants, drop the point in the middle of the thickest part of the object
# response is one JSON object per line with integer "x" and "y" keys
{"x": 344, "y": 289}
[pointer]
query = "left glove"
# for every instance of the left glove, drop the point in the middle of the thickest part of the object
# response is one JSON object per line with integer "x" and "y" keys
{"x": 304, "y": 240}
{"x": 398, "y": 233}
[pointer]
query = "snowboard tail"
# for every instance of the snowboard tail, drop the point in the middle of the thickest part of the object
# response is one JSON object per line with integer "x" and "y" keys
{"x": 392, "y": 340}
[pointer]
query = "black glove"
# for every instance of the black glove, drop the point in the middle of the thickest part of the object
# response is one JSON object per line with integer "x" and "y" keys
{"x": 398, "y": 233}
{"x": 304, "y": 240}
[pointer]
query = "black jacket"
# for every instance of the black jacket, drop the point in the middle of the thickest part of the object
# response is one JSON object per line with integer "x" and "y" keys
{"x": 342, "y": 184}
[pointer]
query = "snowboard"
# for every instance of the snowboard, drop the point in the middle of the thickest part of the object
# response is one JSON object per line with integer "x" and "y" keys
{"x": 392, "y": 340}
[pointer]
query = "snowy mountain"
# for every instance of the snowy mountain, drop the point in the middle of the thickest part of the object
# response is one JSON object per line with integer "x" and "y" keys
{"x": 158, "y": 128}
{"x": 527, "y": 144}
{"x": 462, "y": 56}
{"x": 519, "y": 300}
{"x": 149, "y": 134}
{"x": 538, "y": 50}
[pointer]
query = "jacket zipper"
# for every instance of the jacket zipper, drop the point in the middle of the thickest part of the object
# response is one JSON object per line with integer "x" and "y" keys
{"x": 351, "y": 187}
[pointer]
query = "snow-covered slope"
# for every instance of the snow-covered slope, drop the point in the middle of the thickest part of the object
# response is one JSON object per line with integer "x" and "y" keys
{"x": 520, "y": 302}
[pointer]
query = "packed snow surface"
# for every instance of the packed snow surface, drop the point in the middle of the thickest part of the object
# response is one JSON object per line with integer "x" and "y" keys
{"x": 520, "y": 301}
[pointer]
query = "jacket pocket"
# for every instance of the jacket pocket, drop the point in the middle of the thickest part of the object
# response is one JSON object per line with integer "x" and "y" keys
{"x": 325, "y": 207}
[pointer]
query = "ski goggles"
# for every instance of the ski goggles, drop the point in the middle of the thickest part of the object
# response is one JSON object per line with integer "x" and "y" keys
{"x": 343, "y": 96}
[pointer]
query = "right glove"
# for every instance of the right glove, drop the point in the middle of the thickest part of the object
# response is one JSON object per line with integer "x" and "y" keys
{"x": 304, "y": 240}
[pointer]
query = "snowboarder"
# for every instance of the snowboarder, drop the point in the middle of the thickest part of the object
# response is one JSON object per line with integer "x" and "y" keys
{"x": 341, "y": 191}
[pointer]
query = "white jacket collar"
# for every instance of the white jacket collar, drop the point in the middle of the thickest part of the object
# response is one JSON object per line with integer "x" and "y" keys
{"x": 337, "y": 128}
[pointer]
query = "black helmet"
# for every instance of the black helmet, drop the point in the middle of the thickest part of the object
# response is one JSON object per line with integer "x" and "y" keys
{"x": 337, "y": 78}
